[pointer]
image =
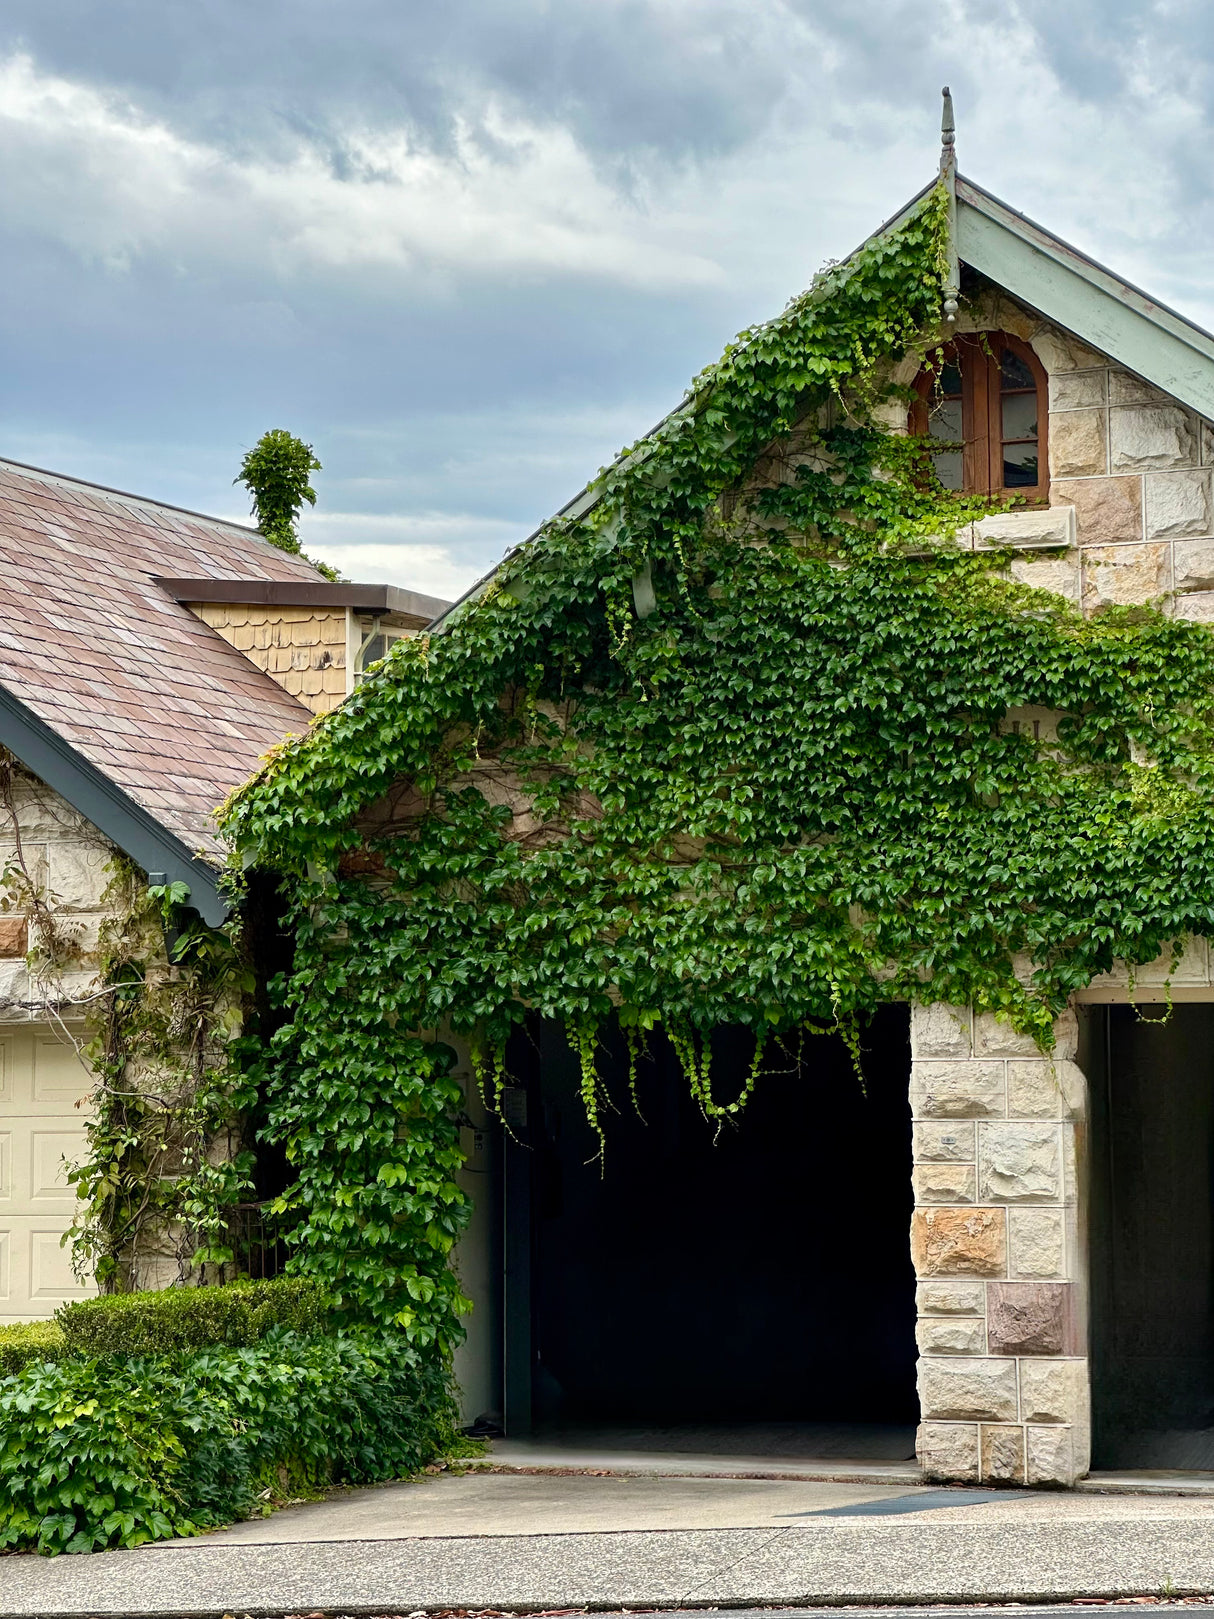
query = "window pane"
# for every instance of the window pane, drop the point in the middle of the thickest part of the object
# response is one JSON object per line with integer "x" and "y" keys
{"x": 1019, "y": 415}
{"x": 945, "y": 421}
{"x": 1015, "y": 372}
{"x": 950, "y": 379}
{"x": 1019, "y": 465}
{"x": 948, "y": 468}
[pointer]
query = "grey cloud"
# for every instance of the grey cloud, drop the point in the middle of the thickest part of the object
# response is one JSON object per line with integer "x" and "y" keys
{"x": 625, "y": 75}
{"x": 484, "y": 392}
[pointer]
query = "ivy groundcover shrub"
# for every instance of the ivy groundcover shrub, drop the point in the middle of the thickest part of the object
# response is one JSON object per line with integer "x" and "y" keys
{"x": 104, "y": 1448}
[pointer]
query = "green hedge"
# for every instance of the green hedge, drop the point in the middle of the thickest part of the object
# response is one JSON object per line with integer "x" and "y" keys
{"x": 26, "y": 1341}
{"x": 178, "y": 1318}
{"x": 119, "y": 1450}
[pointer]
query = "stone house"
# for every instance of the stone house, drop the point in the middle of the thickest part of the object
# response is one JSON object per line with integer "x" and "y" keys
{"x": 149, "y": 657}
{"x": 1060, "y": 1211}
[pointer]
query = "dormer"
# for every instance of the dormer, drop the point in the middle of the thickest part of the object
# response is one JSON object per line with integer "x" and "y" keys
{"x": 313, "y": 637}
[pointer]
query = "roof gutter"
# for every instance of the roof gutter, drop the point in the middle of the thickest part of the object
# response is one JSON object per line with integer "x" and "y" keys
{"x": 135, "y": 831}
{"x": 319, "y": 593}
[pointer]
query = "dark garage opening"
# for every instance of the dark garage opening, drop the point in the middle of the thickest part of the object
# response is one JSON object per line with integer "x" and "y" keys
{"x": 708, "y": 1276}
{"x": 1152, "y": 1237}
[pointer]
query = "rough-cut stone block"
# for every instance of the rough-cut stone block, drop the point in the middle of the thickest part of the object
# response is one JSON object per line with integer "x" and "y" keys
{"x": 940, "y": 1030}
{"x": 1192, "y": 966}
{"x": 1127, "y": 389}
{"x": 1070, "y": 1165}
{"x": 948, "y": 1450}
{"x": 940, "y": 1142}
{"x": 1107, "y": 510}
{"x": 1063, "y": 351}
{"x": 1045, "y": 1090}
{"x": 14, "y": 936}
{"x": 14, "y": 989}
{"x": 950, "y": 1298}
{"x": 1153, "y": 438}
{"x": 945, "y": 1183}
{"x": 1125, "y": 575}
{"x": 1050, "y": 1456}
{"x": 41, "y": 813}
{"x": 995, "y": 1038}
{"x": 959, "y": 1242}
{"x": 1002, "y": 1454}
{"x": 958, "y": 1090}
{"x": 951, "y": 1335}
{"x": 1029, "y": 1318}
{"x": 968, "y": 1390}
{"x": 1043, "y": 571}
{"x": 1035, "y": 1244}
{"x": 1079, "y": 444}
{"x": 1207, "y": 444}
{"x": 1051, "y": 525}
{"x": 1066, "y": 1035}
{"x": 78, "y": 984}
{"x": 1177, "y": 504}
{"x": 1079, "y": 390}
{"x": 1053, "y": 1390}
{"x": 1193, "y": 564}
{"x": 77, "y": 876}
{"x": 1020, "y": 1163}
{"x": 1197, "y": 608}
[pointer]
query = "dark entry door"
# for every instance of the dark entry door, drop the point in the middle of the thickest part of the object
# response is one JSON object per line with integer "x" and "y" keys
{"x": 1153, "y": 1239}
{"x": 756, "y": 1271}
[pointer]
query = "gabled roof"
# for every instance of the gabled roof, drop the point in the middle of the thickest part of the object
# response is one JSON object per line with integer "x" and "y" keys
{"x": 1075, "y": 292}
{"x": 113, "y": 692}
{"x": 1042, "y": 271}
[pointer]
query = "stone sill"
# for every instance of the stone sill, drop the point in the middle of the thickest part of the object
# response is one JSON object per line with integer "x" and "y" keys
{"x": 1032, "y": 528}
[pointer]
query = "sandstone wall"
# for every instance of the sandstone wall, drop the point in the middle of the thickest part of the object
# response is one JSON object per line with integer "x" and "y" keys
{"x": 55, "y": 865}
{"x": 996, "y": 1243}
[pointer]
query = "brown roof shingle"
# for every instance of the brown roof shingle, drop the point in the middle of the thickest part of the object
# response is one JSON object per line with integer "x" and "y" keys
{"x": 130, "y": 678}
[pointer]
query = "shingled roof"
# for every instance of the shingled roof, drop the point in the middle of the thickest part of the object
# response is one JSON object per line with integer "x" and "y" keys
{"x": 117, "y": 669}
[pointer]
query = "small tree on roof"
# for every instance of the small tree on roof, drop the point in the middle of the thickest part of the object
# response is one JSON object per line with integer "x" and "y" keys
{"x": 276, "y": 473}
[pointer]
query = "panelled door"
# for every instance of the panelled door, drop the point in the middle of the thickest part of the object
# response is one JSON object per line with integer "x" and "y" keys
{"x": 41, "y": 1081}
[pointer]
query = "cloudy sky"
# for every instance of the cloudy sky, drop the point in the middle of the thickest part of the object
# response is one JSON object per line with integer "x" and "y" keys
{"x": 469, "y": 249}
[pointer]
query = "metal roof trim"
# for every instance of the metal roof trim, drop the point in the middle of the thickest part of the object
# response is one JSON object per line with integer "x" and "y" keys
{"x": 373, "y": 598}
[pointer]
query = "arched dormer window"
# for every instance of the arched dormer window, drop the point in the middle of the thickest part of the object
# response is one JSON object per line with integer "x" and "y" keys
{"x": 988, "y": 392}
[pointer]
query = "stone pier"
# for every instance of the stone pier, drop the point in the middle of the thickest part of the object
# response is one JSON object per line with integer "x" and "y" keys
{"x": 995, "y": 1237}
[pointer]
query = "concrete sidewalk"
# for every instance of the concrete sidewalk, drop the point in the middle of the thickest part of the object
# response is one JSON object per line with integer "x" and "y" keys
{"x": 483, "y": 1540}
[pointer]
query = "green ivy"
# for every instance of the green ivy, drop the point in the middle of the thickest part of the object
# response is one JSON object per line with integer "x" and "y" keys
{"x": 788, "y": 792}
{"x": 165, "y": 1162}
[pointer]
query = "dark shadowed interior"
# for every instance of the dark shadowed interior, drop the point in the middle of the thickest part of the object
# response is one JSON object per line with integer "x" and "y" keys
{"x": 1152, "y": 1237}
{"x": 755, "y": 1271}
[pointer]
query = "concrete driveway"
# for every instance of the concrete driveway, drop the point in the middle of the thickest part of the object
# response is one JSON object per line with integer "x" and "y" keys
{"x": 540, "y": 1540}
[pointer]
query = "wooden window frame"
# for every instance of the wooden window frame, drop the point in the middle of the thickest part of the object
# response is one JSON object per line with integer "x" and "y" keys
{"x": 976, "y": 356}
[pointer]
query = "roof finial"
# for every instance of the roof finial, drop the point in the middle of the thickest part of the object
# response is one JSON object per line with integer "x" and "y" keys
{"x": 948, "y": 176}
{"x": 948, "y": 133}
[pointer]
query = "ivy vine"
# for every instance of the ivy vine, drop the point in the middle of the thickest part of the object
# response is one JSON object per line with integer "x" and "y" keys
{"x": 733, "y": 746}
{"x": 166, "y": 1160}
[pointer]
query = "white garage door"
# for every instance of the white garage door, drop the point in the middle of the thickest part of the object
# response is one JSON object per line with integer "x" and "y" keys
{"x": 41, "y": 1080}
